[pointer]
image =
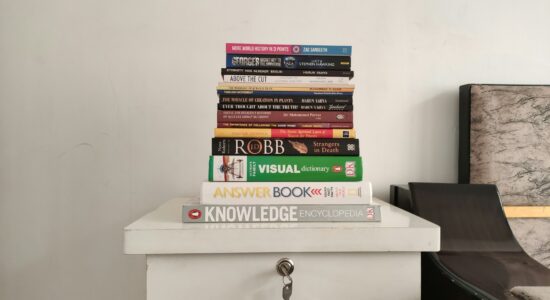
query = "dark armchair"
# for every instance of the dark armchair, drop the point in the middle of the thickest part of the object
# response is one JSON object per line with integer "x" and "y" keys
{"x": 479, "y": 257}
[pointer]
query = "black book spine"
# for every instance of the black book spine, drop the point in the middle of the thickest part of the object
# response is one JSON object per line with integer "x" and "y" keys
{"x": 320, "y": 107}
{"x": 275, "y": 99}
{"x": 287, "y": 72}
{"x": 312, "y": 147}
{"x": 302, "y": 62}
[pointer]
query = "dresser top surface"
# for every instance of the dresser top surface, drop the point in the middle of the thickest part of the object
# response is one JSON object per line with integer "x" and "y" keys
{"x": 162, "y": 232}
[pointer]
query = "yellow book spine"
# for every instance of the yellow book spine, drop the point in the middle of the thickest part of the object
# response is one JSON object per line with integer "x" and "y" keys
{"x": 242, "y": 132}
{"x": 284, "y": 88}
{"x": 283, "y": 133}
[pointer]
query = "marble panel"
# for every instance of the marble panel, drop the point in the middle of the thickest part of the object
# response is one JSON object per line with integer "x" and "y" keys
{"x": 510, "y": 141}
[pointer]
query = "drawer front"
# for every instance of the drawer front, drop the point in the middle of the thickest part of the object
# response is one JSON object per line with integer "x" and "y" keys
{"x": 387, "y": 275}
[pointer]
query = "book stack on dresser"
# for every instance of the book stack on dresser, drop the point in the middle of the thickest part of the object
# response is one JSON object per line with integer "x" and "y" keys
{"x": 284, "y": 148}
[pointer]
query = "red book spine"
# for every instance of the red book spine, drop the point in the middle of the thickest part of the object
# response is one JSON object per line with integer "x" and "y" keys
{"x": 285, "y": 125}
{"x": 317, "y": 133}
{"x": 238, "y": 48}
{"x": 267, "y": 116}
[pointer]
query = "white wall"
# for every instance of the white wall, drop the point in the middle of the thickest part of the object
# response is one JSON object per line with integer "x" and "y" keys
{"x": 107, "y": 109}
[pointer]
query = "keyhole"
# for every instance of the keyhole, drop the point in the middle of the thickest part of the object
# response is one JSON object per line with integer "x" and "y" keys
{"x": 285, "y": 266}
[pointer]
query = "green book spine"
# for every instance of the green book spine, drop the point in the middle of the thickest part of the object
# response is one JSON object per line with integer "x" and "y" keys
{"x": 210, "y": 169}
{"x": 285, "y": 168}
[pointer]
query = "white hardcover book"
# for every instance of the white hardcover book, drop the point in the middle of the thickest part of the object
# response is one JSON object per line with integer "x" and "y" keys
{"x": 272, "y": 193}
{"x": 280, "y": 213}
{"x": 284, "y": 79}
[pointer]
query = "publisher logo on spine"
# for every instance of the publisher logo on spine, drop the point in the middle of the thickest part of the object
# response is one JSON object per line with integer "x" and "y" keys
{"x": 290, "y": 62}
{"x": 296, "y": 49}
{"x": 370, "y": 213}
{"x": 350, "y": 169}
{"x": 194, "y": 214}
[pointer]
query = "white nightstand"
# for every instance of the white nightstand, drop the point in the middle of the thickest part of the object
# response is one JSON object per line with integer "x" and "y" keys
{"x": 237, "y": 261}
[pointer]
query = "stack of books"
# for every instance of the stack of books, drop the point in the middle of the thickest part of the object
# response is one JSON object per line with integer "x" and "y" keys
{"x": 285, "y": 140}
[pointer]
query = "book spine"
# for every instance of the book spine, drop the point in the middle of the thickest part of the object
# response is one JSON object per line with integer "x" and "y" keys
{"x": 284, "y": 125}
{"x": 252, "y": 61}
{"x": 284, "y": 133}
{"x": 262, "y": 193}
{"x": 284, "y": 79}
{"x": 289, "y": 147}
{"x": 287, "y": 72}
{"x": 272, "y": 99}
{"x": 306, "y": 107}
{"x": 280, "y": 213}
{"x": 282, "y": 93}
{"x": 268, "y": 116}
{"x": 283, "y": 49}
{"x": 285, "y": 168}
{"x": 238, "y": 86}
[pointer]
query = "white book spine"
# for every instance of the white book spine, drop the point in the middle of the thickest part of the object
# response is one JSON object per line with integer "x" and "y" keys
{"x": 284, "y": 79}
{"x": 272, "y": 193}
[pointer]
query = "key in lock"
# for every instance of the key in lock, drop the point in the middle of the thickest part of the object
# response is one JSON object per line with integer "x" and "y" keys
{"x": 285, "y": 267}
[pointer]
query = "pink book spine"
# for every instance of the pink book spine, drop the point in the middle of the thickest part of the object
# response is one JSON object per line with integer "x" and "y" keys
{"x": 236, "y": 48}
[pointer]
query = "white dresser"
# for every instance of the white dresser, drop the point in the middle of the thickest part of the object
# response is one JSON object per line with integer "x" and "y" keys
{"x": 237, "y": 261}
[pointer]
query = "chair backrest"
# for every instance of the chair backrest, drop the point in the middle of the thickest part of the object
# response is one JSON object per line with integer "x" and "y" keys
{"x": 470, "y": 216}
{"x": 504, "y": 137}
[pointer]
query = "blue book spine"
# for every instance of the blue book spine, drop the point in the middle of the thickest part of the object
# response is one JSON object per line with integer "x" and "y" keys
{"x": 324, "y": 50}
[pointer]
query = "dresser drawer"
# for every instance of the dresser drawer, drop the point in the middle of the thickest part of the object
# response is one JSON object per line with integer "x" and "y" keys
{"x": 373, "y": 275}
{"x": 333, "y": 261}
